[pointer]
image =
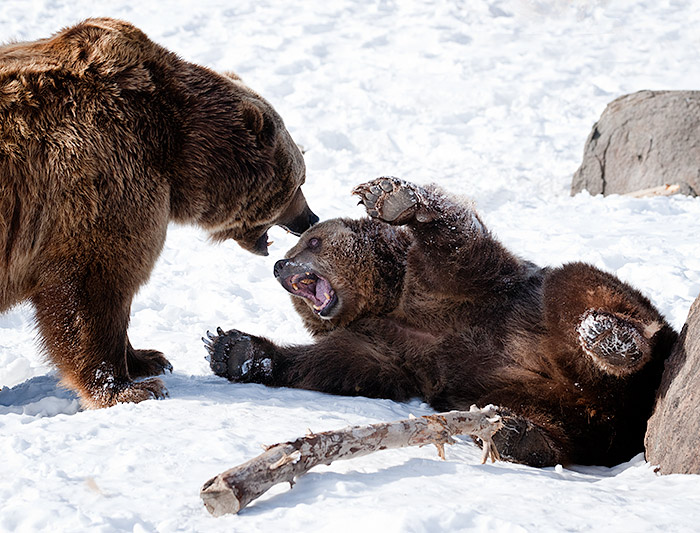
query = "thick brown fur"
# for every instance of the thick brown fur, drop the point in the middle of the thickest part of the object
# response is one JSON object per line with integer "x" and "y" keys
{"x": 106, "y": 137}
{"x": 433, "y": 306}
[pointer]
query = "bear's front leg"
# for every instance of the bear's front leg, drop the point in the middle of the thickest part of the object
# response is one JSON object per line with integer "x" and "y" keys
{"x": 83, "y": 323}
{"x": 425, "y": 209}
{"x": 240, "y": 357}
{"x": 453, "y": 253}
{"x": 340, "y": 363}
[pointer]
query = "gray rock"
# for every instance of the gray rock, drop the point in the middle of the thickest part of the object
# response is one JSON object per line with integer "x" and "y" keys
{"x": 673, "y": 432}
{"x": 643, "y": 140}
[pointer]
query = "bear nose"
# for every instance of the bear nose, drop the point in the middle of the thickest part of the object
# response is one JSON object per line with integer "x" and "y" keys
{"x": 279, "y": 266}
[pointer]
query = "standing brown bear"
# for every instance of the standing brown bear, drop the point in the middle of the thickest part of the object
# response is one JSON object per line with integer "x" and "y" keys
{"x": 421, "y": 300}
{"x": 106, "y": 137}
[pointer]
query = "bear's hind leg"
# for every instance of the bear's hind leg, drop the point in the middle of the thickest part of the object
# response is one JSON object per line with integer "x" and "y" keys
{"x": 595, "y": 317}
{"x": 617, "y": 345}
{"x": 522, "y": 441}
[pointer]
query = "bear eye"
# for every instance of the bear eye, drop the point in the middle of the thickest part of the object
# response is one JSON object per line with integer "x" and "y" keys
{"x": 314, "y": 243}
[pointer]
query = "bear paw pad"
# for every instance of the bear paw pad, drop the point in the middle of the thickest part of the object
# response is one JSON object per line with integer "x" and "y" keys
{"x": 389, "y": 199}
{"x": 614, "y": 343}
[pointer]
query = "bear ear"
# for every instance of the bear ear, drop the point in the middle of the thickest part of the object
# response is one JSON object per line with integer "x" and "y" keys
{"x": 257, "y": 123}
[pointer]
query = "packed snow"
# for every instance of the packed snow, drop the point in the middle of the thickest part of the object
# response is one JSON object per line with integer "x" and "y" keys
{"x": 492, "y": 99}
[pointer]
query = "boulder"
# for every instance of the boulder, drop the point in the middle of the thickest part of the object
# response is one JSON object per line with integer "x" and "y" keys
{"x": 642, "y": 141}
{"x": 673, "y": 432}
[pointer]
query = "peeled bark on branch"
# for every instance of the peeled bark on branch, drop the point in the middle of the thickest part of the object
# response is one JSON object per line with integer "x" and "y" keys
{"x": 231, "y": 491}
{"x": 661, "y": 190}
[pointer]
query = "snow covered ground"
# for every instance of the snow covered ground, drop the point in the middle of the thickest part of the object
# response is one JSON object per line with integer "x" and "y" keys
{"x": 490, "y": 98}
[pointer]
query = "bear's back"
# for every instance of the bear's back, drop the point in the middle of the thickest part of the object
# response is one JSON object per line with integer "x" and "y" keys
{"x": 76, "y": 124}
{"x": 101, "y": 44}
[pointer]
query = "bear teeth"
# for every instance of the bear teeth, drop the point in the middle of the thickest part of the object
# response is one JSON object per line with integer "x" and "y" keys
{"x": 321, "y": 307}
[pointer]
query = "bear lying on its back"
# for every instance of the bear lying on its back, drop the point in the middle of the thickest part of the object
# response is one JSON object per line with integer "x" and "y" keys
{"x": 421, "y": 300}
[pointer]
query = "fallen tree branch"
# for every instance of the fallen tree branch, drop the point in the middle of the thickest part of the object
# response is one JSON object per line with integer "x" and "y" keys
{"x": 231, "y": 491}
{"x": 661, "y": 190}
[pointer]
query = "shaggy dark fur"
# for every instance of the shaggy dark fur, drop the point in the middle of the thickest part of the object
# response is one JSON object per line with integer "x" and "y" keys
{"x": 105, "y": 137}
{"x": 421, "y": 300}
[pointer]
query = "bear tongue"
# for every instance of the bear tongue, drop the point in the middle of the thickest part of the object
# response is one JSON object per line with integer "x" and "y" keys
{"x": 323, "y": 291}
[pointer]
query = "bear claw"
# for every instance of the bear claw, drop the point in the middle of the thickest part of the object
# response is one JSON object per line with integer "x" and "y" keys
{"x": 146, "y": 363}
{"x": 107, "y": 394}
{"x": 233, "y": 355}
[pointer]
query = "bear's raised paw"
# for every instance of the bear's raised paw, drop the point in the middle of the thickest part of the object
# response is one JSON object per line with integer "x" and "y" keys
{"x": 389, "y": 199}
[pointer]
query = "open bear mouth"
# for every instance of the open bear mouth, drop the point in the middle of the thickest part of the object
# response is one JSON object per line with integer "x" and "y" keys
{"x": 315, "y": 289}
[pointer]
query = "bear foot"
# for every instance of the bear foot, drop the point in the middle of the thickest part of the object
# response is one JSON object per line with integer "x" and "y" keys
{"x": 616, "y": 345}
{"x": 149, "y": 389}
{"x": 389, "y": 199}
{"x": 237, "y": 356}
{"x": 109, "y": 394}
{"x": 521, "y": 441}
{"x": 146, "y": 363}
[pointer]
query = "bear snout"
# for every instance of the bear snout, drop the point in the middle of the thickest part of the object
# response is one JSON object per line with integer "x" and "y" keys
{"x": 279, "y": 267}
{"x": 261, "y": 245}
{"x": 301, "y": 223}
{"x": 298, "y": 217}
